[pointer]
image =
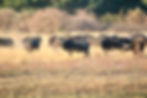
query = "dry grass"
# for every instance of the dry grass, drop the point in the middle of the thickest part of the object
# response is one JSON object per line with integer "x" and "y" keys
{"x": 87, "y": 77}
{"x": 53, "y": 73}
{"x": 50, "y": 20}
{"x": 18, "y": 54}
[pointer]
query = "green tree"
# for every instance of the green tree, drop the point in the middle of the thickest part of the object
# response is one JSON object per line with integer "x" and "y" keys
{"x": 15, "y": 3}
{"x": 144, "y": 2}
{"x": 38, "y": 3}
{"x": 97, "y": 6}
{"x": 70, "y": 5}
{"x": 114, "y": 6}
{"x": 19, "y": 4}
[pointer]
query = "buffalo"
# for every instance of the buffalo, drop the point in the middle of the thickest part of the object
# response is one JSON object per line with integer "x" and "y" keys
{"x": 6, "y": 42}
{"x": 115, "y": 42}
{"x": 80, "y": 44}
{"x": 70, "y": 44}
{"x": 136, "y": 43}
{"x": 32, "y": 43}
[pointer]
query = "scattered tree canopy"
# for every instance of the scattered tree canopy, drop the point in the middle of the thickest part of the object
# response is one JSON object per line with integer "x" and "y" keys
{"x": 97, "y": 6}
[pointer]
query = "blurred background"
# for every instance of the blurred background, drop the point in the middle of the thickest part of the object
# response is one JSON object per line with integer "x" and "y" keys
{"x": 67, "y": 15}
{"x": 73, "y": 48}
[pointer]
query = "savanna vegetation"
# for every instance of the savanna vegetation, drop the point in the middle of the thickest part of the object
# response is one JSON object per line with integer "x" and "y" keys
{"x": 51, "y": 72}
{"x": 49, "y": 15}
{"x": 97, "y": 6}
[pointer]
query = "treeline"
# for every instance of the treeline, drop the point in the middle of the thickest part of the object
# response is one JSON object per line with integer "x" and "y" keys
{"x": 97, "y": 6}
{"x": 50, "y": 20}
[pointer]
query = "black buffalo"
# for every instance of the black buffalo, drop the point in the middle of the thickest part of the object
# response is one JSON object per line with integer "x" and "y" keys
{"x": 136, "y": 43}
{"x": 115, "y": 42}
{"x": 6, "y": 42}
{"x": 32, "y": 43}
{"x": 78, "y": 43}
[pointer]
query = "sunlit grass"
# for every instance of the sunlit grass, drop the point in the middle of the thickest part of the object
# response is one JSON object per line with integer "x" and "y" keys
{"x": 53, "y": 73}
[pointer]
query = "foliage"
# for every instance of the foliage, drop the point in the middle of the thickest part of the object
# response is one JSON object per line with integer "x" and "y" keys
{"x": 144, "y": 2}
{"x": 97, "y": 6}
{"x": 19, "y": 4}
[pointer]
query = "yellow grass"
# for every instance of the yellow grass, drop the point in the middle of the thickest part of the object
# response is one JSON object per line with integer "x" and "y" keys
{"x": 52, "y": 73}
{"x": 18, "y": 53}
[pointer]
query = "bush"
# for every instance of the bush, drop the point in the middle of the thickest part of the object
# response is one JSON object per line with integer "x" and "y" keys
{"x": 82, "y": 20}
{"x": 112, "y": 18}
{"x": 51, "y": 20}
{"x": 21, "y": 21}
{"x": 136, "y": 16}
{"x": 47, "y": 20}
{"x": 7, "y": 18}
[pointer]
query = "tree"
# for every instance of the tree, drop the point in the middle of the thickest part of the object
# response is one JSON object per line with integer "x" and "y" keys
{"x": 38, "y": 3}
{"x": 15, "y": 3}
{"x": 70, "y": 5}
{"x": 144, "y": 2}
{"x": 114, "y": 6}
{"x": 19, "y": 4}
{"x": 97, "y": 6}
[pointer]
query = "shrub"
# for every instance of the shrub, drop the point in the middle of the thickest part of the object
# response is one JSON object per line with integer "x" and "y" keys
{"x": 112, "y": 18}
{"x": 21, "y": 22}
{"x": 136, "y": 16}
{"x": 51, "y": 20}
{"x": 82, "y": 20}
{"x": 7, "y": 18}
{"x": 46, "y": 20}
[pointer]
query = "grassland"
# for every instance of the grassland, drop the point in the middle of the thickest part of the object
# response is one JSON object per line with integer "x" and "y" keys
{"x": 52, "y": 73}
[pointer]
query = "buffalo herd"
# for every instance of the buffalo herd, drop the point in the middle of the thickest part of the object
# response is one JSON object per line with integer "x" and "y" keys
{"x": 83, "y": 43}
{"x": 136, "y": 43}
